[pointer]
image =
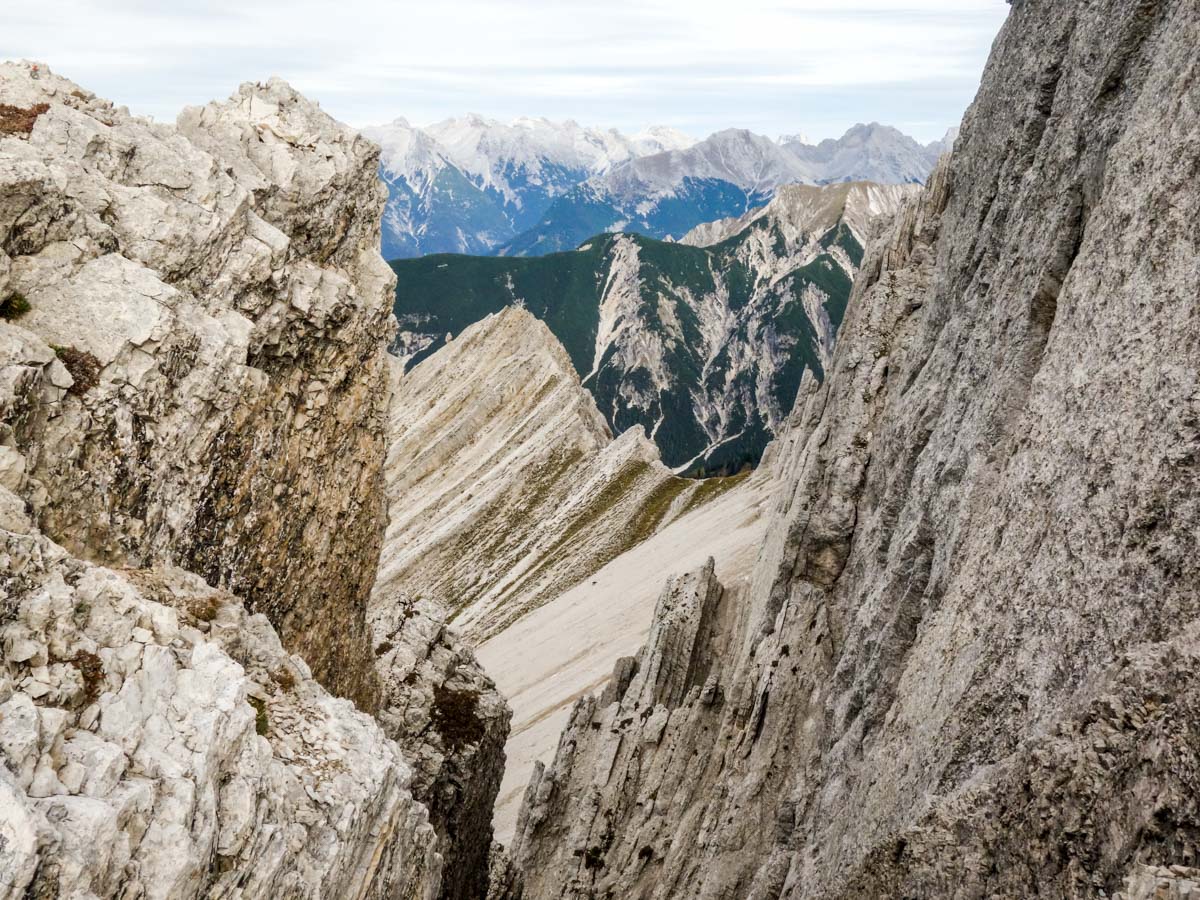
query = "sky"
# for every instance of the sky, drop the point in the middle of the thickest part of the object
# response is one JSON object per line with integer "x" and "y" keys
{"x": 773, "y": 66}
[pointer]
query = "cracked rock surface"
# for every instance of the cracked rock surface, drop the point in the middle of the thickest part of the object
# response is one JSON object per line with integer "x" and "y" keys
{"x": 158, "y": 741}
{"x": 193, "y": 388}
{"x": 966, "y": 665}
{"x": 219, "y": 307}
{"x": 451, "y": 723}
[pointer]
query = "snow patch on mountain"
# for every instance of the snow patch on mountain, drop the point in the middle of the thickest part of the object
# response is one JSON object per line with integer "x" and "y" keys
{"x": 468, "y": 184}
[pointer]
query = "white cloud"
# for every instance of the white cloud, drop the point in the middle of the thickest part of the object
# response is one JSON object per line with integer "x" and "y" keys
{"x": 772, "y": 65}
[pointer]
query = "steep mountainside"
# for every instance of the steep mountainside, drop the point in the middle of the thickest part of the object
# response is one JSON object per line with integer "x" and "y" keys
{"x": 703, "y": 347}
{"x": 469, "y": 185}
{"x": 504, "y": 484}
{"x": 193, "y": 388}
{"x": 546, "y": 660}
{"x": 730, "y": 173}
{"x": 966, "y": 665}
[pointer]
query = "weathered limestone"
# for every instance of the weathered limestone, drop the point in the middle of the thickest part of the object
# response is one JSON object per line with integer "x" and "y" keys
{"x": 966, "y": 667}
{"x": 199, "y": 384}
{"x": 451, "y": 723}
{"x": 218, "y": 292}
{"x": 158, "y": 741}
{"x": 505, "y": 492}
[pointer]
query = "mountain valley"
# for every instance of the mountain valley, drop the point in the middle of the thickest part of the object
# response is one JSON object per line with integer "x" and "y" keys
{"x": 702, "y": 343}
{"x": 735, "y": 519}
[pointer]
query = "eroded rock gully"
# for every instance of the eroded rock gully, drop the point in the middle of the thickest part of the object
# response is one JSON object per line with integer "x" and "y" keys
{"x": 966, "y": 666}
{"x": 193, "y": 394}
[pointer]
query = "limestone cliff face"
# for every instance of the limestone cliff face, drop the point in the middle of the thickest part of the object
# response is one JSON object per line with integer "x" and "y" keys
{"x": 193, "y": 389}
{"x": 220, "y": 307}
{"x": 966, "y": 665}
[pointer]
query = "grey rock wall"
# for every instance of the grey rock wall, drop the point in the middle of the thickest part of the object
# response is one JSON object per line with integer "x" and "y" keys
{"x": 966, "y": 665}
{"x": 193, "y": 393}
{"x": 219, "y": 305}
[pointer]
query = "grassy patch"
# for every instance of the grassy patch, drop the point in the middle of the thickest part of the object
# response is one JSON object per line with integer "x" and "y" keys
{"x": 83, "y": 367}
{"x": 14, "y": 307}
{"x": 654, "y": 510}
{"x": 455, "y": 715}
{"x": 261, "y": 723}
{"x": 712, "y": 488}
{"x": 91, "y": 668}
{"x": 205, "y": 609}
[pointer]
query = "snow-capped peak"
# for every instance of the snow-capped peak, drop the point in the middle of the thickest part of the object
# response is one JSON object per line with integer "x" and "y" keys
{"x": 798, "y": 137}
{"x": 661, "y": 138}
{"x": 408, "y": 153}
{"x": 535, "y": 149}
{"x": 735, "y": 155}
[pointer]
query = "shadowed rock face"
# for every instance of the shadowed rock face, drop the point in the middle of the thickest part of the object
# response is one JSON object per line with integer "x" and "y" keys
{"x": 965, "y": 667}
{"x": 224, "y": 279}
{"x": 451, "y": 723}
{"x": 193, "y": 394}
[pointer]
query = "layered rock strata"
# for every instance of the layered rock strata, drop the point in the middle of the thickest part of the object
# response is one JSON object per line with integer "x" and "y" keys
{"x": 505, "y": 486}
{"x": 193, "y": 387}
{"x": 218, "y": 308}
{"x": 966, "y": 664}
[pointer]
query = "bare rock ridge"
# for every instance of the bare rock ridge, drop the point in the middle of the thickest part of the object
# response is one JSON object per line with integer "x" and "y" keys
{"x": 965, "y": 666}
{"x": 504, "y": 484}
{"x": 508, "y": 496}
{"x": 193, "y": 411}
{"x": 221, "y": 305}
{"x": 801, "y": 210}
{"x": 546, "y": 660}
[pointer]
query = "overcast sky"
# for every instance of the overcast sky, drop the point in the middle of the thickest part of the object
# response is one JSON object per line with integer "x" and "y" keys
{"x": 774, "y": 66}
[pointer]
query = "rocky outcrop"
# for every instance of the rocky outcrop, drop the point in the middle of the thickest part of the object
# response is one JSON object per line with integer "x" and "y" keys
{"x": 218, "y": 309}
{"x": 546, "y": 660}
{"x": 158, "y": 741}
{"x": 965, "y": 667}
{"x": 506, "y": 492}
{"x": 193, "y": 386}
{"x": 799, "y": 214}
{"x": 451, "y": 723}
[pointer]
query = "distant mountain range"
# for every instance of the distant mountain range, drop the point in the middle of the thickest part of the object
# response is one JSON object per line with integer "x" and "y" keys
{"x": 470, "y": 185}
{"x": 530, "y": 187}
{"x": 702, "y": 343}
